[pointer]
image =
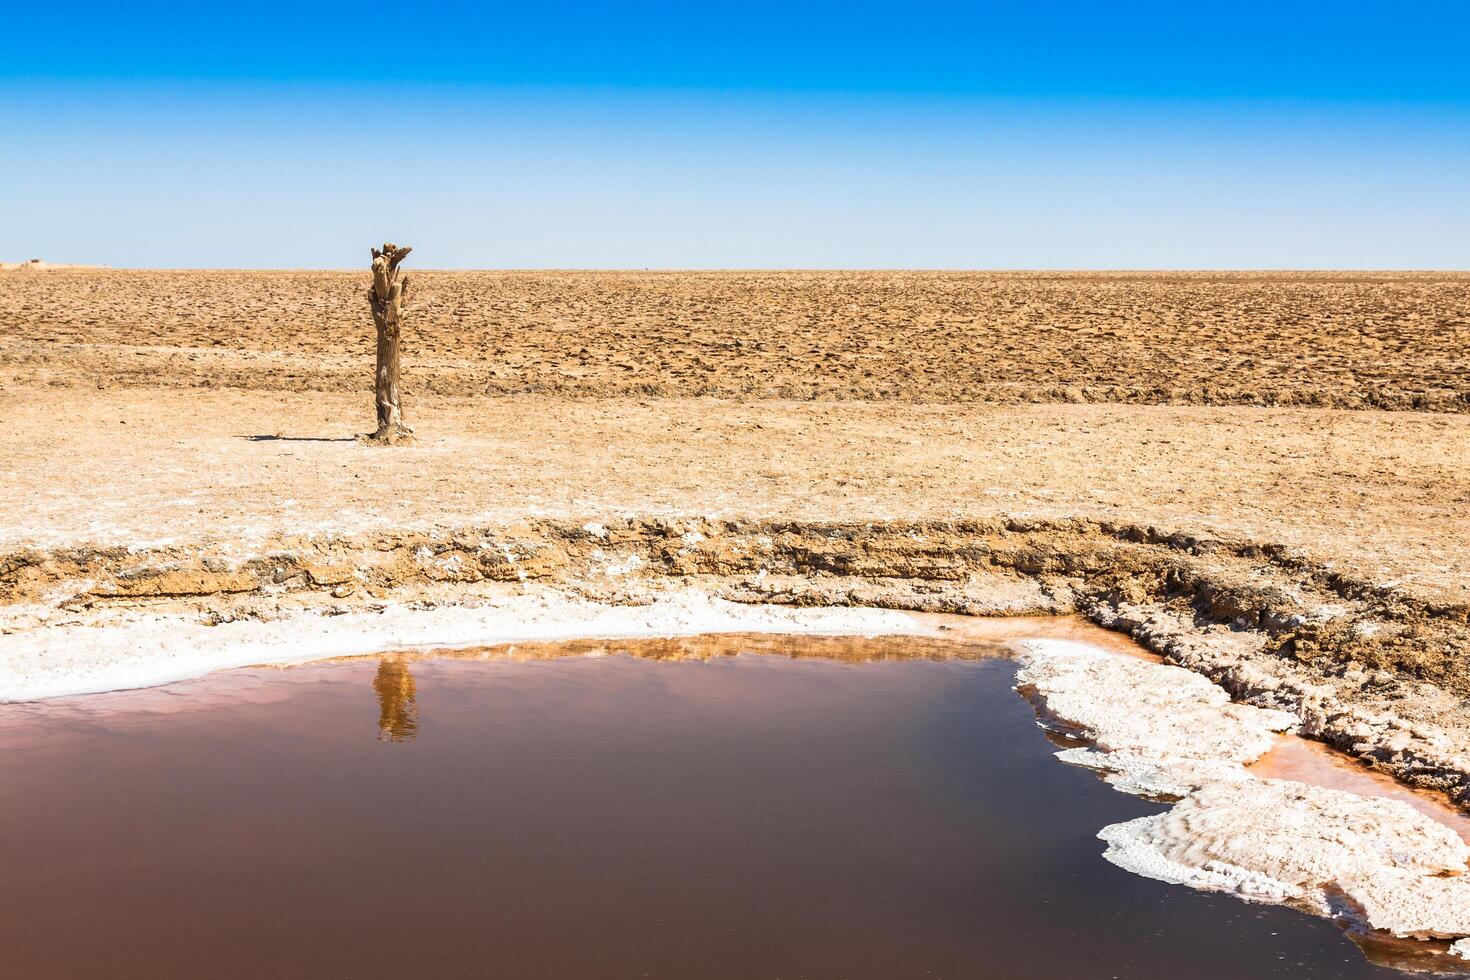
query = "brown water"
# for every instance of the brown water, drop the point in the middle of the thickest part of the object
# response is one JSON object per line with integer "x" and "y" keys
{"x": 829, "y": 808}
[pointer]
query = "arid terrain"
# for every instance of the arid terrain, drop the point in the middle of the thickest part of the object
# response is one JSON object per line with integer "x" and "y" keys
{"x": 1343, "y": 340}
{"x": 1263, "y": 477}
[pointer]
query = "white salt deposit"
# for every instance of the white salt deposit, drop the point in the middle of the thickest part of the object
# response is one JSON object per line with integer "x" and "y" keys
{"x": 1377, "y": 862}
{"x": 1156, "y": 730}
{"x": 152, "y": 650}
{"x": 1150, "y": 710}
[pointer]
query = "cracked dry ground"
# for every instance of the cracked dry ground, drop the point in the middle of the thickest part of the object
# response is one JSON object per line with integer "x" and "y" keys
{"x": 1195, "y": 459}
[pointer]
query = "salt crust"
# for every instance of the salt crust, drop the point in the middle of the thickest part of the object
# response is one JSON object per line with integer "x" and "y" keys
{"x": 1156, "y": 730}
{"x": 153, "y": 650}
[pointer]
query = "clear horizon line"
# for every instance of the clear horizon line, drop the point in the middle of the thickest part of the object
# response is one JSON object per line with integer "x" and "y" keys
{"x": 49, "y": 266}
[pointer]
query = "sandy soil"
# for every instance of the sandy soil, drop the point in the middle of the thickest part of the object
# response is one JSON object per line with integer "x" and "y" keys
{"x": 1383, "y": 495}
{"x": 1333, "y": 339}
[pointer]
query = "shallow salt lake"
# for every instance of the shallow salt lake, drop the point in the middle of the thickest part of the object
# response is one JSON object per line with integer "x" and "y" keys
{"x": 710, "y": 807}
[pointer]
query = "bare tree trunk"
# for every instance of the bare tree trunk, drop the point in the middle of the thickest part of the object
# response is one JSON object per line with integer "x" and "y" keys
{"x": 386, "y": 297}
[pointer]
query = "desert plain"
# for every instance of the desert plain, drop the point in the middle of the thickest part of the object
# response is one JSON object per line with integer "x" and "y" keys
{"x": 1261, "y": 476}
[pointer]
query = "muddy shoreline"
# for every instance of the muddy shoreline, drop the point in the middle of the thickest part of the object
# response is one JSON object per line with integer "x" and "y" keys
{"x": 1364, "y": 668}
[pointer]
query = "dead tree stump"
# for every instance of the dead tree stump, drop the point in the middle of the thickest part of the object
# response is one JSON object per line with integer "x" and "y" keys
{"x": 386, "y": 297}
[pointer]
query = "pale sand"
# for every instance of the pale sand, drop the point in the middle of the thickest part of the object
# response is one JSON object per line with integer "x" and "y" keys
{"x": 1383, "y": 496}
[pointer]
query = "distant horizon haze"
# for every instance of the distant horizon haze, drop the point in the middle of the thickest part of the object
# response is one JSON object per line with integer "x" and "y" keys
{"x": 739, "y": 270}
{"x": 1050, "y": 137}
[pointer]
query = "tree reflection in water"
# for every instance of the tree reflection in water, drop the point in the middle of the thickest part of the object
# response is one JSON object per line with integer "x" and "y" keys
{"x": 398, "y": 710}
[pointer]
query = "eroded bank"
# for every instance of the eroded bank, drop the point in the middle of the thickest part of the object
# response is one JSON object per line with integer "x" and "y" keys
{"x": 1368, "y": 669}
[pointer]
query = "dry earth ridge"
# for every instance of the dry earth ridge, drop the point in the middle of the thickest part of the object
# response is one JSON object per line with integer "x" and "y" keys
{"x": 1364, "y": 668}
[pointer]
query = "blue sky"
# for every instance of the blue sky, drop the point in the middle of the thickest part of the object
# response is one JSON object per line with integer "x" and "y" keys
{"x": 1038, "y": 135}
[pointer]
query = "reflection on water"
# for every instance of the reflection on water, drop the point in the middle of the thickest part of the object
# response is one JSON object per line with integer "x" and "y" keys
{"x": 833, "y": 807}
{"x": 398, "y": 710}
{"x": 847, "y": 649}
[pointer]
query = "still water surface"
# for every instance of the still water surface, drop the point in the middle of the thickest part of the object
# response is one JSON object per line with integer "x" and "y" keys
{"x": 681, "y": 813}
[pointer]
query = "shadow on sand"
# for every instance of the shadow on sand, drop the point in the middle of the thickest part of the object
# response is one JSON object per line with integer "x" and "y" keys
{"x": 264, "y": 438}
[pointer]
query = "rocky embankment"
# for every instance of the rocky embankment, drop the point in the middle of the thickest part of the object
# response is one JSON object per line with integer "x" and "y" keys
{"x": 1362, "y": 667}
